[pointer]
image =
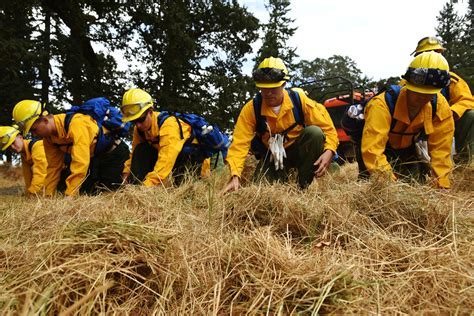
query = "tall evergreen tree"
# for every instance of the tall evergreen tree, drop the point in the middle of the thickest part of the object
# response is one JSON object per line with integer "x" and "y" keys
{"x": 451, "y": 31}
{"x": 468, "y": 54}
{"x": 18, "y": 74}
{"x": 277, "y": 32}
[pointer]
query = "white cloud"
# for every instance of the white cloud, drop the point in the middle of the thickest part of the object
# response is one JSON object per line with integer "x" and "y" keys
{"x": 378, "y": 35}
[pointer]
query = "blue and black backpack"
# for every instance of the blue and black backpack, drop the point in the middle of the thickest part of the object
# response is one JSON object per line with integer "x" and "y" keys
{"x": 106, "y": 116}
{"x": 257, "y": 146}
{"x": 354, "y": 127}
{"x": 209, "y": 136}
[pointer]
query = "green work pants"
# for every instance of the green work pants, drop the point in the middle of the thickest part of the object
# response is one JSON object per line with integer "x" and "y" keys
{"x": 300, "y": 155}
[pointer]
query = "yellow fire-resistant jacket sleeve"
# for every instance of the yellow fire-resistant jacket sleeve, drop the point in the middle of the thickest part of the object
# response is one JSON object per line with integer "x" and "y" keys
{"x": 34, "y": 167}
{"x": 460, "y": 97}
{"x": 55, "y": 159}
{"x": 439, "y": 147}
{"x": 83, "y": 132}
{"x": 376, "y": 134}
{"x": 313, "y": 112}
{"x": 79, "y": 142}
{"x": 135, "y": 141}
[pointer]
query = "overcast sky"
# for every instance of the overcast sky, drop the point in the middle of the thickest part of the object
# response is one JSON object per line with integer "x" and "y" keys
{"x": 378, "y": 35}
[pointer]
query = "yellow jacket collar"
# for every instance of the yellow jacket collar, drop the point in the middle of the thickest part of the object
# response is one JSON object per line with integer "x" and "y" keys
{"x": 401, "y": 112}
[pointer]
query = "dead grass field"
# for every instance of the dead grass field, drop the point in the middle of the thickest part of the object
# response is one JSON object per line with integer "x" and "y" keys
{"x": 341, "y": 246}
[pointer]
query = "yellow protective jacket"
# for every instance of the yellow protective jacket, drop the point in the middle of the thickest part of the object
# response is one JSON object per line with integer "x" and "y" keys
{"x": 377, "y": 133}
{"x": 79, "y": 142}
{"x": 34, "y": 166}
{"x": 167, "y": 140}
{"x": 245, "y": 129}
{"x": 460, "y": 97}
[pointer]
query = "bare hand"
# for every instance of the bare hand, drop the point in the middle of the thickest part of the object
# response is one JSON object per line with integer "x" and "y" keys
{"x": 321, "y": 165}
{"x": 233, "y": 185}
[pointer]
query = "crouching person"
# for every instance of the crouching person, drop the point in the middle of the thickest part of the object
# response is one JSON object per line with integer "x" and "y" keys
{"x": 285, "y": 129}
{"x": 158, "y": 145}
{"x": 95, "y": 158}
{"x": 390, "y": 135}
{"x": 33, "y": 159}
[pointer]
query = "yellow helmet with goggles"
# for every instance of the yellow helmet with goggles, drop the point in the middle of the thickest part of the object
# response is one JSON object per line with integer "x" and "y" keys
{"x": 134, "y": 103}
{"x": 427, "y": 73}
{"x": 7, "y": 136}
{"x": 25, "y": 113}
{"x": 271, "y": 73}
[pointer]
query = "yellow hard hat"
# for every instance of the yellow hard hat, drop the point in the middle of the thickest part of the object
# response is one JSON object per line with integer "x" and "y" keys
{"x": 25, "y": 113}
{"x": 7, "y": 136}
{"x": 427, "y": 44}
{"x": 134, "y": 102}
{"x": 427, "y": 73}
{"x": 271, "y": 73}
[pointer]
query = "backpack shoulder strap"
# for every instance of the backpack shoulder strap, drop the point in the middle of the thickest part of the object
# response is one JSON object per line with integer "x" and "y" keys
{"x": 391, "y": 97}
{"x": 32, "y": 142}
{"x": 164, "y": 115}
{"x": 297, "y": 106}
{"x": 260, "y": 120}
{"x": 434, "y": 104}
{"x": 67, "y": 121}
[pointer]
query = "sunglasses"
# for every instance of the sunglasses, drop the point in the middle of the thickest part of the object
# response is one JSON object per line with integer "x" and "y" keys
{"x": 134, "y": 108}
{"x": 268, "y": 75}
{"x": 141, "y": 119}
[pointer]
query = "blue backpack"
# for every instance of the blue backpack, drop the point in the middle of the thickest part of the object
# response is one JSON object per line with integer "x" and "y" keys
{"x": 106, "y": 116}
{"x": 210, "y": 138}
{"x": 257, "y": 146}
{"x": 354, "y": 127}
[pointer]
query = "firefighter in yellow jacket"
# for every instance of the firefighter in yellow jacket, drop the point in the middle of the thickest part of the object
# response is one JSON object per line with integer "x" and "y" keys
{"x": 156, "y": 151}
{"x": 460, "y": 100}
{"x": 33, "y": 159}
{"x": 308, "y": 146}
{"x": 71, "y": 154}
{"x": 393, "y": 149}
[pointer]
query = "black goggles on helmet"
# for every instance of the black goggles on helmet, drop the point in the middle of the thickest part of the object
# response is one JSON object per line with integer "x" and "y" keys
{"x": 427, "y": 77}
{"x": 269, "y": 75}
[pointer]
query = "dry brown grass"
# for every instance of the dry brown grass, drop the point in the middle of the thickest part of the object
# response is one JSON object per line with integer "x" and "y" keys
{"x": 339, "y": 247}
